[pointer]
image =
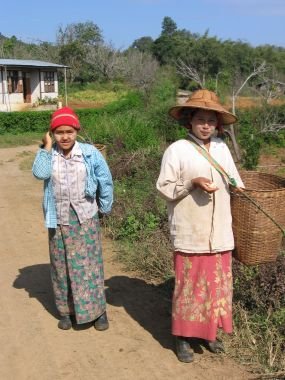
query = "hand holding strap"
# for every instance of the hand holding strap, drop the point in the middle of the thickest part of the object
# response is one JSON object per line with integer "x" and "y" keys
{"x": 213, "y": 162}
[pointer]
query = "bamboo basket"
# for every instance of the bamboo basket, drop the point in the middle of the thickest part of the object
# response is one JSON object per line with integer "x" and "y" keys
{"x": 257, "y": 238}
{"x": 102, "y": 149}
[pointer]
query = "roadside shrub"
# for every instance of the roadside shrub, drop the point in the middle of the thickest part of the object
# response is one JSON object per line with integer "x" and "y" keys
{"x": 259, "y": 313}
{"x": 38, "y": 121}
{"x": 257, "y": 341}
{"x": 151, "y": 257}
{"x": 139, "y": 219}
{"x": 126, "y": 131}
{"x": 250, "y": 142}
{"x": 162, "y": 97}
{"x": 21, "y": 122}
{"x": 260, "y": 287}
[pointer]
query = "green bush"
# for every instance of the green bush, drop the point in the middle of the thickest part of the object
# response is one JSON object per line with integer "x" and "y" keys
{"x": 38, "y": 121}
{"x": 21, "y": 122}
{"x": 259, "y": 296}
{"x": 251, "y": 132}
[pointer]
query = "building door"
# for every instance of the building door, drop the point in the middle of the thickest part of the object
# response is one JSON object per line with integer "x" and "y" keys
{"x": 27, "y": 88}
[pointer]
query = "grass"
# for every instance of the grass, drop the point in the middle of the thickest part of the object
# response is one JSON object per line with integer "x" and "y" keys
{"x": 270, "y": 150}
{"x": 256, "y": 341}
{"x": 101, "y": 94}
{"x": 9, "y": 140}
{"x": 101, "y": 97}
{"x": 12, "y": 141}
{"x": 27, "y": 160}
{"x": 281, "y": 171}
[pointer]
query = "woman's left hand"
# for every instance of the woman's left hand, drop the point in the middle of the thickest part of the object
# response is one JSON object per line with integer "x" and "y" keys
{"x": 205, "y": 184}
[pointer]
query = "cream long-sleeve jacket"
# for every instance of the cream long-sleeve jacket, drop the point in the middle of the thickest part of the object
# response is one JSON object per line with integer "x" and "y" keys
{"x": 199, "y": 222}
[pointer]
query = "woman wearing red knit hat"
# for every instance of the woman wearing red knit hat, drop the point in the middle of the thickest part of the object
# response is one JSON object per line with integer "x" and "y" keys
{"x": 77, "y": 185}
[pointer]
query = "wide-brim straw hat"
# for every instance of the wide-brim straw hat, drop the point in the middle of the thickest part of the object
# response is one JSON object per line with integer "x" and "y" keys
{"x": 205, "y": 100}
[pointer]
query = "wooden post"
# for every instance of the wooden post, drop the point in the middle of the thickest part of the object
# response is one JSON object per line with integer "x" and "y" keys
{"x": 65, "y": 86}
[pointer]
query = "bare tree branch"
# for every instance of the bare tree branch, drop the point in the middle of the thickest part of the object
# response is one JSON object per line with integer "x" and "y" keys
{"x": 262, "y": 68}
{"x": 257, "y": 70}
{"x": 271, "y": 122}
{"x": 105, "y": 60}
{"x": 270, "y": 89}
{"x": 272, "y": 128}
{"x": 188, "y": 71}
{"x": 139, "y": 69}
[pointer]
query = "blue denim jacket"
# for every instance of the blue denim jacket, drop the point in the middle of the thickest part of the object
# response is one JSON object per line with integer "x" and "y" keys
{"x": 98, "y": 179}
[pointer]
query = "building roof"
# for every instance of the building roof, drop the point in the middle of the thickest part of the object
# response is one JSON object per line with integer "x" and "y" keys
{"x": 29, "y": 63}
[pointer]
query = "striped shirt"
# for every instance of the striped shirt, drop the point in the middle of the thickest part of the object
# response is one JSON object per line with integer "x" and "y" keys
{"x": 68, "y": 182}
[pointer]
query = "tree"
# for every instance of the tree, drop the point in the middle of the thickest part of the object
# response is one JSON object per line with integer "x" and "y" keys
{"x": 8, "y": 46}
{"x": 105, "y": 62}
{"x": 167, "y": 48}
{"x": 86, "y": 33}
{"x": 75, "y": 41}
{"x": 73, "y": 55}
{"x": 169, "y": 26}
{"x": 143, "y": 44}
{"x": 47, "y": 52}
{"x": 139, "y": 69}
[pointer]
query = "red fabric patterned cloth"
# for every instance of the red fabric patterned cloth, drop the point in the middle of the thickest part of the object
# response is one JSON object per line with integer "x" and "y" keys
{"x": 202, "y": 299}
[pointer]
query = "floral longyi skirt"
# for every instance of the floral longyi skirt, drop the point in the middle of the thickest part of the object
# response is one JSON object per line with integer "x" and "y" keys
{"x": 202, "y": 299}
{"x": 77, "y": 269}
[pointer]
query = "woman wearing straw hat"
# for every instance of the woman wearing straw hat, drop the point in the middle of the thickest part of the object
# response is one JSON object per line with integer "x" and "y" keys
{"x": 76, "y": 177}
{"x": 194, "y": 180}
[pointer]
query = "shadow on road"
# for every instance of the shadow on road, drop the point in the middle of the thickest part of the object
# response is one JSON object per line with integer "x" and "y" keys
{"x": 148, "y": 304}
{"x": 35, "y": 279}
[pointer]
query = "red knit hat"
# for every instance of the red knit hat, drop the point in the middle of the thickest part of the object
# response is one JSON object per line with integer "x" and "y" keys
{"x": 64, "y": 116}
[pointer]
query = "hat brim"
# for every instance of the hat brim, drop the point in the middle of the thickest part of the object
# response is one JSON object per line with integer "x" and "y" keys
{"x": 226, "y": 117}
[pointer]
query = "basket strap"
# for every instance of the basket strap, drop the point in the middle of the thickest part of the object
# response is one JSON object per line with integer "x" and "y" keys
{"x": 230, "y": 179}
{"x": 212, "y": 161}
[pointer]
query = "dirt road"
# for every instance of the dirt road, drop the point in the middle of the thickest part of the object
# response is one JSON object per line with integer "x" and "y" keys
{"x": 138, "y": 344}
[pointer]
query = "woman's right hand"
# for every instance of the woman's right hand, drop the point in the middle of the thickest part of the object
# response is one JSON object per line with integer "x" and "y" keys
{"x": 204, "y": 184}
{"x": 47, "y": 141}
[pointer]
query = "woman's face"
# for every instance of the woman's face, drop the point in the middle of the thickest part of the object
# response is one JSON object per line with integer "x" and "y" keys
{"x": 65, "y": 137}
{"x": 203, "y": 124}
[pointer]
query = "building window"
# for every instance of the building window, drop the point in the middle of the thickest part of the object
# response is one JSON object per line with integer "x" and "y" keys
{"x": 14, "y": 82}
{"x": 49, "y": 81}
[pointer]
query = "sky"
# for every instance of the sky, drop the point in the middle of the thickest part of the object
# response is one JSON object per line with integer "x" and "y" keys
{"x": 256, "y": 22}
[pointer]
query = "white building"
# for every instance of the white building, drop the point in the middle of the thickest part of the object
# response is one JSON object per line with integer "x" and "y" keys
{"x": 25, "y": 83}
